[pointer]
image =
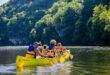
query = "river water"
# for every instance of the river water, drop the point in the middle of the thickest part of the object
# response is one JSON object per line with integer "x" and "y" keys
{"x": 86, "y": 61}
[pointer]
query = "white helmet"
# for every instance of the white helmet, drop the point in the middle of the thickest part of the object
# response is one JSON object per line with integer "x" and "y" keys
{"x": 53, "y": 42}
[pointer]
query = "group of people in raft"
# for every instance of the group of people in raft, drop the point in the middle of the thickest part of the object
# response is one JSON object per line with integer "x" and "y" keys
{"x": 38, "y": 51}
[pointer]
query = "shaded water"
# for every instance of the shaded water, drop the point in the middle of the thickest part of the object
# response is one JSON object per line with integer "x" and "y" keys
{"x": 87, "y": 61}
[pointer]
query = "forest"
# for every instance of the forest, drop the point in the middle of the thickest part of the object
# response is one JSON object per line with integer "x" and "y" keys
{"x": 71, "y": 22}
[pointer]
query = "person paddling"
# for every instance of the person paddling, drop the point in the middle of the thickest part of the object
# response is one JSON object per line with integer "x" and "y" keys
{"x": 52, "y": 49}
{"x": 60, "y": 48}
{"x": 44, "y": 50}
{"x": 32, "y": 52}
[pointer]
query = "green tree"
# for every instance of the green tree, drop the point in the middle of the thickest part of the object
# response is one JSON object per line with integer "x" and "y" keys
{"x": 100, "y": 22}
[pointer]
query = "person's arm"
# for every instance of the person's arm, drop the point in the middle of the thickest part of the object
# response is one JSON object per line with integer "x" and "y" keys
{"x": 56, "y": 51}
{"x": 36, "y": 51}
{"x": 39, "y": 53}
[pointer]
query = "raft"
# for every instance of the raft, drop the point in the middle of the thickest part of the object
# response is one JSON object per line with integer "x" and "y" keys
{"x": 22, "y": 61}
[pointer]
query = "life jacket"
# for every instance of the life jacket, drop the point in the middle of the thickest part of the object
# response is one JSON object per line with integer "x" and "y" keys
{"x": 43, "y": 51}
{"x": 30, "y": 52}
{"x": 51, "y": 51}
{"x": 51, "y": 46}
{"x": 59, "y": 48}
{"x": 31, "y": 48}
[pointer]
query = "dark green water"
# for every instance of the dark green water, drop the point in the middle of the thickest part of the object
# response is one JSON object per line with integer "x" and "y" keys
{"x": 87, "y": 61}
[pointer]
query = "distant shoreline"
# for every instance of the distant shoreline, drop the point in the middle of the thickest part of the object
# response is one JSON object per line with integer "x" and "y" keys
{"x": 3, "y": 48}
{"x": 63, "y": 46}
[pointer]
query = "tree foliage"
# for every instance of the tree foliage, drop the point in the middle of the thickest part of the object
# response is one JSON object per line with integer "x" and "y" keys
{"x": 100, "y": 25}
{"x": 72, "y": 22}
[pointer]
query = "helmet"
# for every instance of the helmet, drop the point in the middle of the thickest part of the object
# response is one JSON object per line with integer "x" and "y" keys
{"x": 53, "y": 42}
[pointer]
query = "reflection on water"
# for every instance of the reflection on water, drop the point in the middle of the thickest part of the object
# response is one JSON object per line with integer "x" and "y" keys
{"x": 58, "y": 69}
{"x": 87, "y": 61}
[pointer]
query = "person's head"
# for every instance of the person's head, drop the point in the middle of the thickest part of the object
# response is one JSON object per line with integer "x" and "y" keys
{"x": 40, "y": 43}
{"x": 36, "y": 44}
{"x": 45, "y": 46}
{"x": 59, "y": 44}
{"x": 53, "y": 42}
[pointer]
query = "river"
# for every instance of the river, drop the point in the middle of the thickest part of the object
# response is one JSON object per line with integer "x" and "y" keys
{"x": 86, "y": 61}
